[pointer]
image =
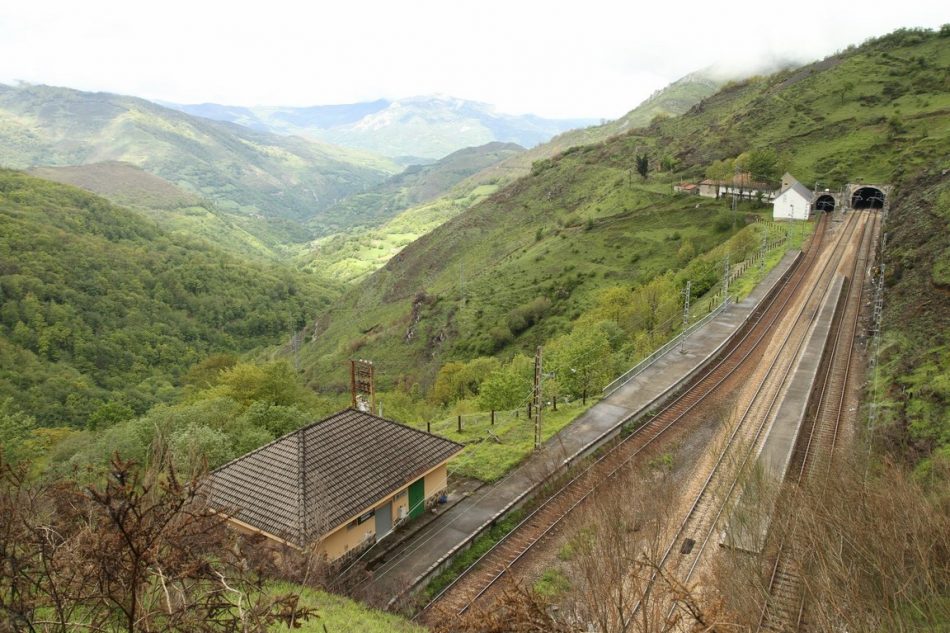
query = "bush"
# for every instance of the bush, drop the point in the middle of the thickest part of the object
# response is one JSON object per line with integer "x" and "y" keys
{"x": 526, "y": 315}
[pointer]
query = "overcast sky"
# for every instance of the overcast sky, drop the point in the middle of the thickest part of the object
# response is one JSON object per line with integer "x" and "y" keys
{"x": 586, "y": 58}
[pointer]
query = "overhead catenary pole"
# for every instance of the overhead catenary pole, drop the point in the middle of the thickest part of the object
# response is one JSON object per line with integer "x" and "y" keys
{"x": 686, "y": 295}
{"x": 725, "y": 279}
{"x": 538, "y": 380}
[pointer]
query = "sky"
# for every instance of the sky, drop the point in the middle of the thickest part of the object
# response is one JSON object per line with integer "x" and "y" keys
{"x": 587, "y": 58}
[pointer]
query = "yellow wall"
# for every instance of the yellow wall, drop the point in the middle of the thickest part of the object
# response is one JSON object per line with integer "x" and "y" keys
{"x": 349, "y": 536}
{"x": 436, "y": 481}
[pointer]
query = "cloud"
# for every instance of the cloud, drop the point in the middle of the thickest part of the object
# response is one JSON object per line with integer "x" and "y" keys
{"x": 592, "y": 58}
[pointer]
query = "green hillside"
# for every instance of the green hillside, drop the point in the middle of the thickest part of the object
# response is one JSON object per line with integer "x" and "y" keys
{"x": 416, "y": 185}
{"x": 673, "y": 100}
{"x": 172, "y": 208}
{"x": 584, "y": 220}
{"x": 415, "y": 201}
{"x": 279, "y": 178}
{"x": 101, "y": 311}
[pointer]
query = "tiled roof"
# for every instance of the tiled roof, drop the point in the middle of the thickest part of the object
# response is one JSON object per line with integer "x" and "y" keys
{"x": 313, "y": 479}
{"x": 798, "y": 188}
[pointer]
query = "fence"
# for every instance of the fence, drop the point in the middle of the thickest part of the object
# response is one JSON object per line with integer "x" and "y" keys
{"x": 712, "y": 304}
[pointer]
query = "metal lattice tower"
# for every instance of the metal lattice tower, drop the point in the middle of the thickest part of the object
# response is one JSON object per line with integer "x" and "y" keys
{"x": 686, "y": 296}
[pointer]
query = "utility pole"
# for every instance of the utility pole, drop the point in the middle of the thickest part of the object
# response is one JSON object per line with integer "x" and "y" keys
{"x": 764, "y": 248}
{"x": 686, "y": 296}
{"x": 725, "y": 279}
{"x": 538, "y": 380}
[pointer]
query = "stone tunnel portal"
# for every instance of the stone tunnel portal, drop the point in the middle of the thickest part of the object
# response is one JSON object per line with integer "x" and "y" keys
{"x": 867, "y": 198}
{"x": 825, "y": 202}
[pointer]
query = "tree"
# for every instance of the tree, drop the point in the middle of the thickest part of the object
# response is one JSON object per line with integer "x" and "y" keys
{"x": 507, "y": 387}
{"x": 581, "y": 360}
{"x": 139, "y": 552}
{"x": 720, "y": 170}
{"x": 762, "y": 164}
{"x": 643, "y": 165}
{"x": 686, "y": 252}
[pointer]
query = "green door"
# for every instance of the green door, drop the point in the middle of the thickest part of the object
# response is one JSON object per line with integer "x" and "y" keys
{"x": 417, "y": 495}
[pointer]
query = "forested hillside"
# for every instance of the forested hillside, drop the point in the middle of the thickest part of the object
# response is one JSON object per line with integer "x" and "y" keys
{"x": 416, "y": 185}
{"x": 176, "y": 210}
{"x": 518, "y": 268}
{"x": 101, "y": 311}
{"x": 280, "y": 178}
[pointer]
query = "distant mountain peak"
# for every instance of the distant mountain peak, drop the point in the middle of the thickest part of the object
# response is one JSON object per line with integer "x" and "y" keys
{"x": 426, "y": 126}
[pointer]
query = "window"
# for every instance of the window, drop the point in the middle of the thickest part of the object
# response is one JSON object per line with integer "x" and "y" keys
{"x": 366, "y": 517}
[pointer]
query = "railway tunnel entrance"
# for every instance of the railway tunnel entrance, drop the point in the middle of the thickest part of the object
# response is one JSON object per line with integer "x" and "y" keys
{"x": 825, "y": 202}
{"x": 867, "y": 198}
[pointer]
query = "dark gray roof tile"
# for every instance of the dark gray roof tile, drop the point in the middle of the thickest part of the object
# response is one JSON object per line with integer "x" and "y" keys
{"x": 311, "y": 480}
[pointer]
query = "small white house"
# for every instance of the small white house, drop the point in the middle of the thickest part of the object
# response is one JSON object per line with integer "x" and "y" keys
{"x": 793, "y": 201}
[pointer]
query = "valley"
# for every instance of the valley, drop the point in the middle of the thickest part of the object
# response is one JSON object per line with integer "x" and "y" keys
{"x": 620, "y": 388}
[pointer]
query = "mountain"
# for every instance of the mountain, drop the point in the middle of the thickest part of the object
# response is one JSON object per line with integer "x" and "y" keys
{"x": 420, "y": 127}
{"x": 280, "y": 179}
{"x": 582, "y": 219}
{"x": 103, "y": 311}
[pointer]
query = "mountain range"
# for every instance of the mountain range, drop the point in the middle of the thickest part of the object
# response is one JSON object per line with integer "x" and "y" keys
{"x": 275, "y": 179}
{"x": 407, "y": 130}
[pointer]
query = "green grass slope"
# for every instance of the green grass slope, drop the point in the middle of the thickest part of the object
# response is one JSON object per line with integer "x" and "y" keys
{"x": 242, "y": 170}
{"x": 912, "y": 387}
{"x": 101, "y": 311}
{"x": 583, "y": 219}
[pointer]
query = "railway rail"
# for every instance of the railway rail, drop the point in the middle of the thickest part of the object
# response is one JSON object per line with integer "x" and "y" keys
{"x": 711, "y": 502}
{"x": 478, "y": 579}
{"x": 784, "y": 609}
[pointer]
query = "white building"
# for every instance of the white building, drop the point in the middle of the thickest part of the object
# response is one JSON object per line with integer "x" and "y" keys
{"x": 793, "y": 201}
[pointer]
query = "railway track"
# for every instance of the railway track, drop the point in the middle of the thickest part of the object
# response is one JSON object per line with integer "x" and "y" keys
{"x": 694, "y": 533}
{"x": 476, "y": 581}
{"x": 784, "y": 609}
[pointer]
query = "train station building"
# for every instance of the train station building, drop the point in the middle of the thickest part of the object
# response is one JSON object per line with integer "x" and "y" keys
{"x": 343, "y": 482}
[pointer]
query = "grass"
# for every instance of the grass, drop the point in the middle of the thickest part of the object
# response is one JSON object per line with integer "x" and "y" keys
{"x": 552, "y": 583}
{"x": 336, "y": 614}
{"x": 485, "y": 458}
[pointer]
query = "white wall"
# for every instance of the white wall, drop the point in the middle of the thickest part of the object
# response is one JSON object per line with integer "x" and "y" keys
{"x": 790, "y": 206}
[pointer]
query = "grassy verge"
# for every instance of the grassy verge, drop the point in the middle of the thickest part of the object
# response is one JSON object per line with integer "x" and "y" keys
{"x": 336, "y": 614}
{"x": 493, "y": 450}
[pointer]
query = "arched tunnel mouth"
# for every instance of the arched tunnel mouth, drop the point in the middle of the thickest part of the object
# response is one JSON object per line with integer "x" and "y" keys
{"x": 825, "y": 203}
{"x": 867, "y": 198}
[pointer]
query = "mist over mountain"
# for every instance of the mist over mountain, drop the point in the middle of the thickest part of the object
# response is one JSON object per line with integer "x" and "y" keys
{"x": 419, "y": 127}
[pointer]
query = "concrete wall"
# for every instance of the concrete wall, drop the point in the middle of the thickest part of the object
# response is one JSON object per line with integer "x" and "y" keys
{"x": 353, "y": 535}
